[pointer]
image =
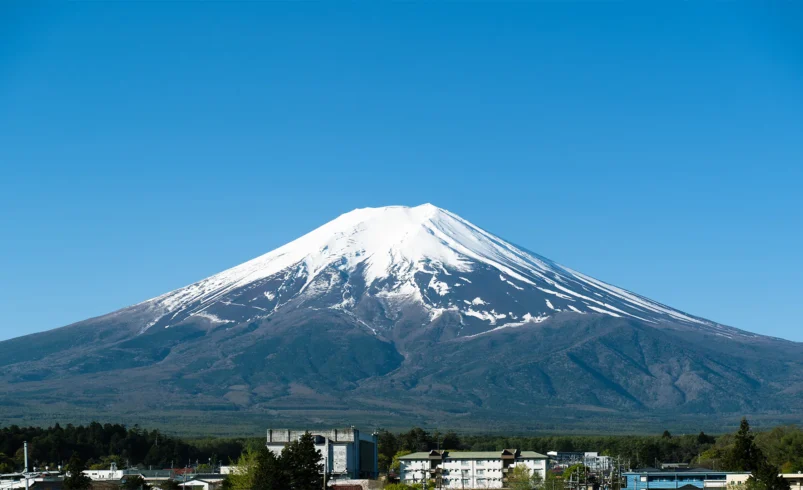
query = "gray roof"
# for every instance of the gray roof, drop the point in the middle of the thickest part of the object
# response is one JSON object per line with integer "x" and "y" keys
{"x": 474, "y": 455}
{"x": 682, "y": 471}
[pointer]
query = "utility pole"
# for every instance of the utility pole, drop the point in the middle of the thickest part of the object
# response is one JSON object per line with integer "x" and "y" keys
{"x": 25, "y": 445}
{"x": 325, "y": 459}
{"x": 424, "y": 486}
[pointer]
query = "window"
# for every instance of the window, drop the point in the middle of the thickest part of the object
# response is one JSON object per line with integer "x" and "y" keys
{"x": 481, "y": 472}
{"x": 465, "y": 462}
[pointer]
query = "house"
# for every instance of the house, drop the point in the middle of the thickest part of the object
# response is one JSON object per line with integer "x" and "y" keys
{"x": 203, "y": 483}
{"x": 346, "y": 453}
{"x": 469, "y": 469}
{"x": 681, "y": 478}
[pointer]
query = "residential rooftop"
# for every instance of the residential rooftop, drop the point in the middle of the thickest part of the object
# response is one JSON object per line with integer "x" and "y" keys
{"x": 474, "y": 454}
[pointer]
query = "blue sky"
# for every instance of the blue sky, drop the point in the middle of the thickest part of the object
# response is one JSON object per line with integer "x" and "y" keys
{"x": 656, "y": 146}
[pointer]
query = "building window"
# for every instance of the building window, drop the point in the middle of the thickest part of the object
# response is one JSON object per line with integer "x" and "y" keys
{"x": 465, "y": 463}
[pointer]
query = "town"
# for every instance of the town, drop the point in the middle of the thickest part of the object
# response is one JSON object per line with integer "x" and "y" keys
{"x": 354, "y": 459}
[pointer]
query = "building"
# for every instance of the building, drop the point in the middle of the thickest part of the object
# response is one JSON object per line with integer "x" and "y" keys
{"x": 591, "y": 460}
{"x": 35, "y": 482}
{"x": 204, "y": 482}
{"x": 686, "y": 479}
{"x": 795, "y": 480}
{"x": 469, "y": 469}
{"x": 356, "y": 485}
{"x": 347, "y": 453}
{"x": 101, "y": 475}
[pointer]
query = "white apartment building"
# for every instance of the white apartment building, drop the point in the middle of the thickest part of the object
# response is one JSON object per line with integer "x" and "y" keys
{"x": 469, "y": 469}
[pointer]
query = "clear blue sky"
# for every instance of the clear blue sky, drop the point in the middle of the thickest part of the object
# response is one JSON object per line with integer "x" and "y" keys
{"x": 146, "y": 145}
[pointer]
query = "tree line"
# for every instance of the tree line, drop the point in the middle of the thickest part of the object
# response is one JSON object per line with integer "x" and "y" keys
{"x": 101, "y": 444}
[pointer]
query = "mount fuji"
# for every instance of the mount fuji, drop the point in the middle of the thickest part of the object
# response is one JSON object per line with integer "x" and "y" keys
{"x": 401, "y": 315}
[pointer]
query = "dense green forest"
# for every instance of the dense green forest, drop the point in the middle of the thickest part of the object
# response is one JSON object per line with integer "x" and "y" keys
{"x": 101, "y": 444}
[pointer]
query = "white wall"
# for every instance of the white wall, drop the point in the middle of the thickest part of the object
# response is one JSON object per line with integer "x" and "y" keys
{"x": 104, "y": 474}
{"x": 341, "y": 459}
{"x": 478, "y": 473}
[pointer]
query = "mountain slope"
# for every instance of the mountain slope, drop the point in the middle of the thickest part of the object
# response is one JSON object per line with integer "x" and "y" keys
{"x": 397, "y": 314}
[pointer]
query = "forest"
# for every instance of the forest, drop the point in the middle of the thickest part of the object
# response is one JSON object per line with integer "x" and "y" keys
{"x": 101, "y": 444}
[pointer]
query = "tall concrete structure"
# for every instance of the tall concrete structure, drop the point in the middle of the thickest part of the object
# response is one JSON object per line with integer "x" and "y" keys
{"x": 347, "y": 453}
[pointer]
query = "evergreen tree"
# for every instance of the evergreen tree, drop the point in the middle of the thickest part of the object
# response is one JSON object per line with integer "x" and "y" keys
{"x": 76, "y": 479}
{"x": 744, "y": 455}
{"x": 703, "y": 438}
{"x": 387, "y": 447}
{"x": 134, "y": 482}
{"x": 303, "y": 464}
{"x": 268, "y": 472}
{"x": 451, "y": 441}
{"x": 767, "y": 477}
{"x": 169, "y": 485}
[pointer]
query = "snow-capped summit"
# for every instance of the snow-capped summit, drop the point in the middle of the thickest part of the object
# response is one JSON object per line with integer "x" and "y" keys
{"x": 398, "y": 258}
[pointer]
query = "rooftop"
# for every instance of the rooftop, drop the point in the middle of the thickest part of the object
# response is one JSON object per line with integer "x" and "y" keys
{"x": 473, "y": 455}
{"x": 675, "y": 471}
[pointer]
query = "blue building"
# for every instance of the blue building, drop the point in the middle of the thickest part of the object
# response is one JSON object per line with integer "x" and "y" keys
{"x": 685, "y": 479}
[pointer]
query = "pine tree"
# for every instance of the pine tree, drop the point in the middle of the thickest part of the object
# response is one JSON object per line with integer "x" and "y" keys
{"x": 135, "y": 482}
{"x": 769, "y": 478}
{"x": 76, "y": 480}
{"x": 303, "y": 464}
{"x": 269, "y": 472}
{"x": 745, "y": 455}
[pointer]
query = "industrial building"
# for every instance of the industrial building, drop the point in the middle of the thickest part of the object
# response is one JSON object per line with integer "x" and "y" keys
{"x": 591, "y": 460}
{"x": 469, "y": 469}
{"x": 347, "y": 453}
